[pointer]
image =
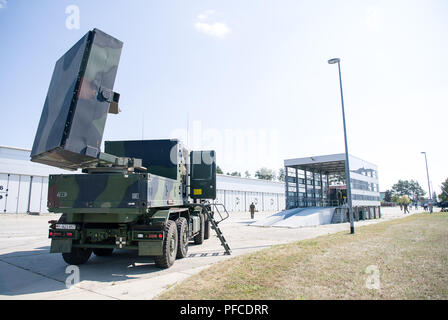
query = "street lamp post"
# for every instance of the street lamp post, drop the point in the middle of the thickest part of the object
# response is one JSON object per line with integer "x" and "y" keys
{"x": 427, "y": 175}
{"x": 347, "y": 166}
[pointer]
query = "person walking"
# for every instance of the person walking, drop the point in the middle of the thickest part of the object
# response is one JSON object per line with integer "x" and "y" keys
{"x": 339, "y": 196}
{"x": 405, "y": 208}
{"x": 252, "y": 210}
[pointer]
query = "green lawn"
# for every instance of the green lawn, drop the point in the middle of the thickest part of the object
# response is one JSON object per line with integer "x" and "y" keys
{"x": 411, "y": 255}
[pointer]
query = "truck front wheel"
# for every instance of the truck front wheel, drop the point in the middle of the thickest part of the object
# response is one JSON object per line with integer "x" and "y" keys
{"x": 77, "y": 256}
{"x": 169, "y": 246}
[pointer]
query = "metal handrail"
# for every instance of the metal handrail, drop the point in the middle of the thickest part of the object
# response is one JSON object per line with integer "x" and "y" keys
{"x": 214, "y": 224}
{"x": 325, "y": 203}
{"x": 216, "y": 205}
{"x": 208, "y": 207}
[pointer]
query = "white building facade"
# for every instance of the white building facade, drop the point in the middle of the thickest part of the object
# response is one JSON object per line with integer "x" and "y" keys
{"x": 307, "y": 181}
{"x": 237, "y": 194}
{"x": 24, "y": 187}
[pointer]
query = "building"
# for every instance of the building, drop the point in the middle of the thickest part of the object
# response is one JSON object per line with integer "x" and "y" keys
{"x": 238, "y": 193}
{"x": 320, "y": 182}
{"x": 24, "y": 186}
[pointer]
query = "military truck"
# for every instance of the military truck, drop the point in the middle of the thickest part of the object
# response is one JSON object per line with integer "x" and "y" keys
{"x": 152, "y": 196}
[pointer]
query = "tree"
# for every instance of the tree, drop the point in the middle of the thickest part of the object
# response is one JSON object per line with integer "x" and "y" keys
{"x": 401, "y": 199}
{"x": 416, "y": 190}
{"x": 281, "y": 174}
{"x": 401, "y": 188}
{"x": 265, "y": 174}
{"x": 247, "y": 174}
{"x": 444, "y": 195}
{"x": 404, "y": 200}
{"x": 236, "y": 174}
{"x": 395, "y": 198}
{"x": 388, "y": 196}
{"x": 434, "y": 196}
{"x": 412, "y": 189}
{"x": 218, "y": 170}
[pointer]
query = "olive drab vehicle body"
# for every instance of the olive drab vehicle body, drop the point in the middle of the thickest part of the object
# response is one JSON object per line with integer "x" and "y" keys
{"x": 153, "y": 196}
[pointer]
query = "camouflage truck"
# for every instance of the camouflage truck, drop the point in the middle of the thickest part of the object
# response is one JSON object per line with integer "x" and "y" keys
{"x": 152, "y": 196}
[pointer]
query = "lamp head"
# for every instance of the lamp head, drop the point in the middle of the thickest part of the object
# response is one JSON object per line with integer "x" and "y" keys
{"x": 334, "y": 60}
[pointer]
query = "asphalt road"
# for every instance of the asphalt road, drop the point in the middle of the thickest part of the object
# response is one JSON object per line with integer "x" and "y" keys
{"x": 29, "y": 271}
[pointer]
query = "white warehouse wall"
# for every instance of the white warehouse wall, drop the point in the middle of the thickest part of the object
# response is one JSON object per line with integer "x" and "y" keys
{"x": 24, "y": 187}
{"x": 238, "y": 193}
{"x": 23, "y": 184}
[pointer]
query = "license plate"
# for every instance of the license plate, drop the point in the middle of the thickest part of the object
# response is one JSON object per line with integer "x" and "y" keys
{"x": 66, "y": 226}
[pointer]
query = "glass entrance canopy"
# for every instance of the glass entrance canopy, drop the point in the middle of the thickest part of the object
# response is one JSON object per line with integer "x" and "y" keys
{"x": 320, "y": 181}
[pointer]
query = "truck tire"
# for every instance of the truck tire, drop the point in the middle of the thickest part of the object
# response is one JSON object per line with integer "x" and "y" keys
{"x": 102, "y": 252}
{"x": 207, "y": 229}
{"x": 169, "y": 246}
{"x": 77, "y": 256}
{"x": 199, "y": 238}
{"x": 182, "y": 236}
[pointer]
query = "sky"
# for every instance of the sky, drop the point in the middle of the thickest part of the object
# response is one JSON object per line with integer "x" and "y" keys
{"x": 250, "y": 78}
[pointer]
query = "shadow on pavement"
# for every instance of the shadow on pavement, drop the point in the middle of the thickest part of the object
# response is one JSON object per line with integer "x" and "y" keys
{"x": 38, "y": 271}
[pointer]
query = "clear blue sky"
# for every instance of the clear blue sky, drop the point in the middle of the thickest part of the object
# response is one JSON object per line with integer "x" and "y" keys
{"x": 251, "y": 77}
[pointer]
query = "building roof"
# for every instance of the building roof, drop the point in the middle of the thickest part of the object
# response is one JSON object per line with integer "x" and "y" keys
{"x": 248, "y": 184}
{"x": 333, "y": 163}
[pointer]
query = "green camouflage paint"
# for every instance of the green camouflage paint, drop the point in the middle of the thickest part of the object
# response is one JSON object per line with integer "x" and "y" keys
{"x": 71, "y": 127}
{"x": 112, "y": 192}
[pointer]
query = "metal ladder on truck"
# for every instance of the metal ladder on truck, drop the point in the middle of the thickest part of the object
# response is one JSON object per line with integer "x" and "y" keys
{"x": 214, "y": 223}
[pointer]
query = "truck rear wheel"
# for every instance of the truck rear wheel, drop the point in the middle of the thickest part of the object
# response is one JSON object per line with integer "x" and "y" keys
{"x": 169, "y": 246}
{"x": 77, "y": 256}
{"x": 182, "y": 235}
{"x": 103, "y": 252}
{"x": 199, "y": 238}
{"x": 207, "y": 229}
